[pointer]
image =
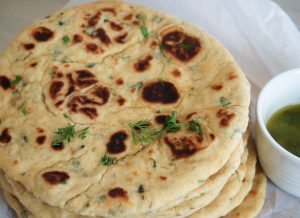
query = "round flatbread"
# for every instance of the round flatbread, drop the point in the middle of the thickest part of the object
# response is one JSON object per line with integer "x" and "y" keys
{"x": 206, "y": 193}
{"x": 228, "y": 197}
{"x": 254, "y": 201}
{"x": 20, "y": 210}
{"x": 76, "y": 85}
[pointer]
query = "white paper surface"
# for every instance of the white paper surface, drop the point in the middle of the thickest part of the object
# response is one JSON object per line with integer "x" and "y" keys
{"x": 263, "y": 40}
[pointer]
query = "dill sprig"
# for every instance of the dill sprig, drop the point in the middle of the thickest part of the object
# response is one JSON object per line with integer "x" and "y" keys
{"x": 83, "y": 133}
{"x": 64, "y": 134}
{"x": 185, "y": 46}
{"x": 107, "y": 160}
{"x": 138, "y": 85}
{"x": 16, "y": 80}
{"x": 67, "y": 133}
{"x": 195, "y": 126}
{"x": 171, "y": 123}
{"x": 141, "y": 132}
{"x": 224, "y": 101}
{"x": 144, "y": 29}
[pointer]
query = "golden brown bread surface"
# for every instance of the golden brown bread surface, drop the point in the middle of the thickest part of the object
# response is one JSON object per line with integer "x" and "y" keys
{"x": 100, "y": 67}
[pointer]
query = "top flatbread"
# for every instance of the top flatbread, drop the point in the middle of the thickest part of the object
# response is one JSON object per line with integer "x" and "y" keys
{"x": 96, "y": 66}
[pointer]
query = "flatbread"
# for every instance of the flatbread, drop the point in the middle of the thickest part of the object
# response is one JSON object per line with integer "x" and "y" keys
{"x": 254, "y": 201}
{"x": 227, "y": 198}
{"x": 206, "y": 193}
{"x": 102, "y": 66}
{"x": 17, "y": 206}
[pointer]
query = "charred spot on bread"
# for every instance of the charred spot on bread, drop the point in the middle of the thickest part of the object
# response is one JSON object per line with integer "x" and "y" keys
{"x": 5, "y": 137}
{"x": 42, "y": 34}
{"x": 55, "y": 177}
{"x": 180, "y": 45}
{"x": 160, "y": 92}
{"x": 116, "y": 143}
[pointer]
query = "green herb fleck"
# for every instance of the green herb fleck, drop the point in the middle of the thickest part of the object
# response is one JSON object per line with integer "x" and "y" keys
{"x": 24, "y": 137}
{"x": 90, "y": 65}
{"x": 162, "y": 47}
{"x": 138, "y": 85}
{"x": 75, "y": 163}
{"x": 141, "y": 132}
{"x": 157, "y": 19}
{"x": 154, "y": 162}
{"x": 195, "y": 126}
{"x": 91, "y": 31}
{"x": 102, "y": 197}
{"x": 105, "y": 20}
{"x": 112, "y": 212}
{"x": 24, "y": 110}
{"x": 66, "y": 39}
{"x": 224, "y": 101}
{"x": 87, "y": 205}
{"x": 107, "y": 161}
{"x": 60, "y": 23}
{"x": 16, "y": 80}
{"x": 141, "y": 189}
{"x": 64, "y": 134}
{"x": 63, "y": 182}
{"x": 171, "y": 123}
{"x": 66, "y": 116}
{"x": 83, "y": 133}
{"x": 144, "y": 29}
{"x": 200, "y": 181}
{"x": 24, "y": 214}
{"x": 185, "y": 46}
{"x": 161, "y": 81}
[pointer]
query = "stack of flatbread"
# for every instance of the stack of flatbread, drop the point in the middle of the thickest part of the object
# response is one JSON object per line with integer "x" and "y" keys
{"x": 117, "y": 110}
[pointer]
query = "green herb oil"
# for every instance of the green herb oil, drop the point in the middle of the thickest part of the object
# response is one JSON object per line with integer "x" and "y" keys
{"x": 284, "y": 126}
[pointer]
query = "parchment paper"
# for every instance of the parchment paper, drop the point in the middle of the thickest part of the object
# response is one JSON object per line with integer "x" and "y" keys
{"x": 263, "y": 40}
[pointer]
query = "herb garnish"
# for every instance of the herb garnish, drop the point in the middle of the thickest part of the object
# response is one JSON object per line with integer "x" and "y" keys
{"x": 224, "y": 101}
{"x": 16, "y": 80}
{"x": 171, "y": 123}
{"x": 157, "y": 19}
{"x": 66, "y": 39}
{"x": 144, "y": 29}
{"x": 161, "y": 81}
{"x": 141, "y": 132}
{"x": 24, "y": 110}
{"x": 154, "y": 162}
{"x": 63, "y": 182}
{"x": 83, "y": 133}
{"x": 195, "y": 126}
{"x": 185, "y": 45}
{"x": 60, "y": 23}
{"x": 66, "y": 133}
{"x": 102, "y": 197}
{"x": 105, "y": 20}
{"x": 66, "y": 116}
{"x": 107, "y": 161}
{"x": 141, "y": 189}
{"x": 138, "y": 85}
{"x": 162, "y": 47}
{"x": 24, "y": 214}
